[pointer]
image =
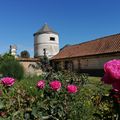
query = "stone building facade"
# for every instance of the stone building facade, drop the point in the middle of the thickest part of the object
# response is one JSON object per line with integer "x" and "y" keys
{"x": 88, "y": 56}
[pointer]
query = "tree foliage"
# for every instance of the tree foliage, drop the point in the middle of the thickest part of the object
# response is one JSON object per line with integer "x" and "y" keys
{"x": 25, "y": 54}
{"x": 9, "y": 66}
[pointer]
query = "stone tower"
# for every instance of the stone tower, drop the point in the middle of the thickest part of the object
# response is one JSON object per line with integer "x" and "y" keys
{"x": 13, "y": 50}
{"x": 46, "y": 40}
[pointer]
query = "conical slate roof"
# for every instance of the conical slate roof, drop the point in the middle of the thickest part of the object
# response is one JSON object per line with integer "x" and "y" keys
{"x": 45, "y": 29}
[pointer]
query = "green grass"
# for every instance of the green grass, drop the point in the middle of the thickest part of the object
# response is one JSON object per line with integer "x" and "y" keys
{"x": 29, "y": 84}
{"x": 97, "y": 81}
{"x": 94, "y": 79}
{"x": 99, "y": 87}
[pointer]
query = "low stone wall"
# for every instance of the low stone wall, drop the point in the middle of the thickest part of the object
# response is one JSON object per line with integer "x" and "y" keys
{"x": 30, "y": 66}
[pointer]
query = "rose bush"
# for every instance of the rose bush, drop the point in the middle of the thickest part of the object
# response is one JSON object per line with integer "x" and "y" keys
{"x": 24, "y": 100}
{"x": 112, "y": 73}
{"x": 112, "y": 76}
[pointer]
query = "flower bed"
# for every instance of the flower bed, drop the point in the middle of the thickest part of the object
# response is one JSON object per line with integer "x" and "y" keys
{"x": 56, "y": 96}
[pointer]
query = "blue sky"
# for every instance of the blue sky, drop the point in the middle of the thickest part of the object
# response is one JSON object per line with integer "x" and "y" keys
{"x": 76, "y": 21}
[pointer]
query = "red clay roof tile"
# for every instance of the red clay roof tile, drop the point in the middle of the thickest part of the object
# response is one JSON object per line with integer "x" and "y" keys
{"x": 108, "y": 44}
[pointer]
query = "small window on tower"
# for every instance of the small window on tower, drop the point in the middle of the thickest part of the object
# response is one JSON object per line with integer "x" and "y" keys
{"x": 52, "y": 38}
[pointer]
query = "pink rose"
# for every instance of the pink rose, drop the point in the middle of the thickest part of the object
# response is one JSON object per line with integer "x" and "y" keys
{"x": 55, "y": 85}
{"x": 8, "y": 81}
{"x": 112, "y": 73}
{"x": 72, "y": 88}
{"x": 41, "y": 84}
{"x": 112, "y": 68}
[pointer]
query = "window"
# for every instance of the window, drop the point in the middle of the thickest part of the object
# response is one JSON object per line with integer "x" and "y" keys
{"x": 44, "y": 51}
{"x": 68, "y": 65}
{"x": 52, "y": 38}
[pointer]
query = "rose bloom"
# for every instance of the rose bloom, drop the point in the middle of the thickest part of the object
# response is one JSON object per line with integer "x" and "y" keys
{"x": 8, "y": 81}
{"x": 112, "y": 73}
{"x": 41, "y": 84}
{"x": 72, "y": 88}
{"x": 55, "y": 85}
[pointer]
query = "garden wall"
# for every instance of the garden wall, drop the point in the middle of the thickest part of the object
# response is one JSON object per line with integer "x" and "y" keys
{"x": 29, "y": 65}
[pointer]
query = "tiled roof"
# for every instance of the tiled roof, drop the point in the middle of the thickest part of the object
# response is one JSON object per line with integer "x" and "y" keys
{"x": 108, "y": 44}
{"x": 45, "y": 29}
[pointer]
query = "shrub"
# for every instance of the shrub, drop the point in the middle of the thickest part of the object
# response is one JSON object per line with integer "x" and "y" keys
{"x": 9, "y": 66}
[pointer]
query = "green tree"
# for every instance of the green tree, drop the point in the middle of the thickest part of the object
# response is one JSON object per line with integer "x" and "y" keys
{"x": 25, "y": 54}
{"x": 9, "y": 66}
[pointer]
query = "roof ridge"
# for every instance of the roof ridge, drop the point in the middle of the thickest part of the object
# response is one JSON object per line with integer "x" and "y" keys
{"x": 95, "y": 39}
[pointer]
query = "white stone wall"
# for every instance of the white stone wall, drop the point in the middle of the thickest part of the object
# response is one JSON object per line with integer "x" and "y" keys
{"x": 96, "y": 62}
{"x": 29, "y": 70}
{"x": 76, "y": 64}
{"x": 42, "y": 41}
{"x": 89, "y": 63}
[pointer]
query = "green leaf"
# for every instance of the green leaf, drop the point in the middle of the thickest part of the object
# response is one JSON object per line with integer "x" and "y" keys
{"x": 1, "y": 105}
